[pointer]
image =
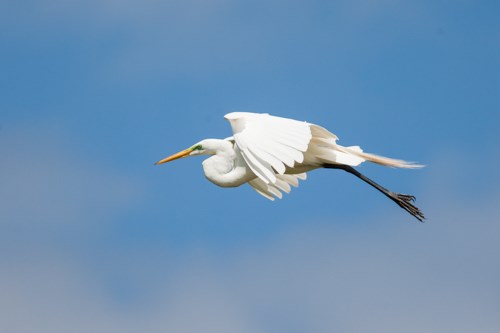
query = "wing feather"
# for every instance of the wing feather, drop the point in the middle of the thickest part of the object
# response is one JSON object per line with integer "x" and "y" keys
{"x": 261, "y": 188}
{"x": 269, "y": 144}
{"x": 285, "y": 154}
{"x": 275, "y": 162}
{"x": 262, "y": 171}
{"x": 282, "y": 184}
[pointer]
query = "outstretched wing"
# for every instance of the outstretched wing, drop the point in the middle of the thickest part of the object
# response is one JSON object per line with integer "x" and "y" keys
{"x": 269, "y": 144}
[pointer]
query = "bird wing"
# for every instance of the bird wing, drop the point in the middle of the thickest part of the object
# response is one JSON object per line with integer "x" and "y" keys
{"x": 269, "y": 144}
{"x": 282, "y": 184}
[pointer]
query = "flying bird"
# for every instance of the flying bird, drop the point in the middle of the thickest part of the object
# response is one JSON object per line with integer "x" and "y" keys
{"x": 272, "y": 154}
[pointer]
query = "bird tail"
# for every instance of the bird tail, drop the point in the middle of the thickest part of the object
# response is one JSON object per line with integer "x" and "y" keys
{"x": 323, "y": 145}
{"x": 356, "y": 151}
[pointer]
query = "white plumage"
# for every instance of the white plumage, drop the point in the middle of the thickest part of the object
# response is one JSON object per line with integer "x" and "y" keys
{"x": 272, "y": 153}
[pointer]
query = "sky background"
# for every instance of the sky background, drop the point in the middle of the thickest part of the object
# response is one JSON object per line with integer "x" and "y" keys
{"x": 94, "y": 238}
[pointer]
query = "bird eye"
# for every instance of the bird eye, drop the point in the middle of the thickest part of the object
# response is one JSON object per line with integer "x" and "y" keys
{"x": 198, "y": 147}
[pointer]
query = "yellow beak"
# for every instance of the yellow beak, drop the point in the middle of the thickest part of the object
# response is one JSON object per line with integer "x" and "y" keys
{"x": 180, "y": 154}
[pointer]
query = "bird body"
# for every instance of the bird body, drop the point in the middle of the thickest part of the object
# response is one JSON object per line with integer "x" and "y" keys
{"x": 272, "y": 154}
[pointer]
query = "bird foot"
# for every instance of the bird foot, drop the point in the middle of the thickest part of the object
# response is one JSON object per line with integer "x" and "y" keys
{"x": 405, "y": 201}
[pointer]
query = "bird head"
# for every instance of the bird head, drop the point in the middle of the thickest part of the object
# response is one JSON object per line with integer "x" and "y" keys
{"x": 204, "y": 147}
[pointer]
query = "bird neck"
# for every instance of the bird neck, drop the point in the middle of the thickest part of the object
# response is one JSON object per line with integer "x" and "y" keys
{"x": 225, "y": 168}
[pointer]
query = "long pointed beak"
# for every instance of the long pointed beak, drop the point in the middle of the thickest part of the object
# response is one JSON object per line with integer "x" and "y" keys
{"x": 180, "y": 154}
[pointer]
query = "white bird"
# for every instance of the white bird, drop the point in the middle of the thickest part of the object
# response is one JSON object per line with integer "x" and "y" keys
{"x": 272, "y": 153}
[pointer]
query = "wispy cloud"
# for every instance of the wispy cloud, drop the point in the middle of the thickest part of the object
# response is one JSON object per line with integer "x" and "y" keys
{"x": 47, "y": 181}
{"x": 204, "y": 38}
{"x": 75, "y": 259}
{"x": 435, "y": 277}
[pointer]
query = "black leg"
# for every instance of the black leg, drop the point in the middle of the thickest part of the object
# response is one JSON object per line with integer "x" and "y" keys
{"x": 403, "y": 200}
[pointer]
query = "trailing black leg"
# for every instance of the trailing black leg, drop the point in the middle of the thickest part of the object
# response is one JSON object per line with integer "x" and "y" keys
{"x": 403, "y": 200}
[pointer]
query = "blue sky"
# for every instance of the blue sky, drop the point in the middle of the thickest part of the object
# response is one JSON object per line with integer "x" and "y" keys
{"x": 95, "y": 238}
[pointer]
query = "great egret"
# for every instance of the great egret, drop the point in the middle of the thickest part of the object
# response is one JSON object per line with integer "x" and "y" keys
{"x": 271, "y": 153}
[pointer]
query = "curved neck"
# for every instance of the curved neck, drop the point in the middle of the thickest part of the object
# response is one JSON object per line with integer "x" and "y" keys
{"x": 225, "y": 168}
